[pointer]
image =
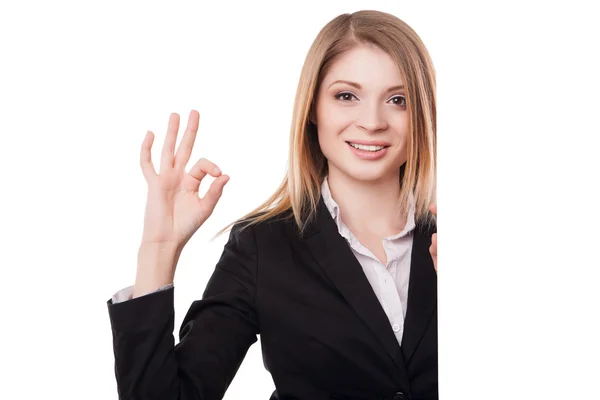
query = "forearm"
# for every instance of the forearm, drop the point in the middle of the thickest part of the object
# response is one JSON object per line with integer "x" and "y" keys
{"x": 155, "y": 268}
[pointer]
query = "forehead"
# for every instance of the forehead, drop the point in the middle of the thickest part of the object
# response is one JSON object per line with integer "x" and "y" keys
{"x": 366, "y": 65}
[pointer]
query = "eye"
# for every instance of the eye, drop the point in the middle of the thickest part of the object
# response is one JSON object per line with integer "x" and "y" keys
{"x": 344, "y": 96}
{"x": 347, "y": 96}
{"x": 401, "y": 100}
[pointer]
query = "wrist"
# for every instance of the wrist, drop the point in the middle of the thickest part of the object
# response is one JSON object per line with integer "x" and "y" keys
{"x": 156, "y": 267}
{"x": 159, "y": 247}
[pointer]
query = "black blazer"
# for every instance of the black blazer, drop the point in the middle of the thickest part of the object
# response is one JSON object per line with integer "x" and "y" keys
{"x": 324, "y": 334}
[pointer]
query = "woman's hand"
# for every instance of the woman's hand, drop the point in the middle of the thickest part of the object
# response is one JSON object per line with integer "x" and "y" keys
{"x": 173, "y": 209}
{"x": 433, "y": 247}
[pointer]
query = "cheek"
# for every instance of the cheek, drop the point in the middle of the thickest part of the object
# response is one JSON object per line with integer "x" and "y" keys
{"x": 399, "y": 122}
{"x": 330, "y": 139}
{"x": 334, "y": 122}
{"x": 333, "y": 119}
{"x": 331, "y": 127}
{"x": 400, "y": 126}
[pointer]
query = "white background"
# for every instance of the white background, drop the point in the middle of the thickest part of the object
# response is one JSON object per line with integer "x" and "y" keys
{"x": 81, "y": 82}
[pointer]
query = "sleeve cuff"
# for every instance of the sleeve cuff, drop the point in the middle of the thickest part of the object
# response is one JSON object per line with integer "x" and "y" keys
{"x": 141, "y": 312}
{"x": 127, "y": 293}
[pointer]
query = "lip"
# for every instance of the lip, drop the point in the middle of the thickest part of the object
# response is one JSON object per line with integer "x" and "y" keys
{"x": 369, "y": 142}
{"x": 368, "y": 155}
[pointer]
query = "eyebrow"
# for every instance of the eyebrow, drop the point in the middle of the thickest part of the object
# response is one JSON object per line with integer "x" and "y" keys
{"x": 358, "y": 86}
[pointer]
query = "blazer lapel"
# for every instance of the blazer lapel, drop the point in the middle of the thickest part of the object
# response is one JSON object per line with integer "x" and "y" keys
{"x": 422, "y": 291}
{"x": 334, "y": 255}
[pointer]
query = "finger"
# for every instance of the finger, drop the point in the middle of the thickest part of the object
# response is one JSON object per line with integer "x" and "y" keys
{"x": 433, "y": 209}
{"x": 166, "y": 160}
{"x": 146, "y": 156}
{"x": 433, "y": 251}
{"x": 214, "y": 193}
{"x": 187, "y": 142}
{"x": 433, "y": 247}
{"x": 203, "y": 167}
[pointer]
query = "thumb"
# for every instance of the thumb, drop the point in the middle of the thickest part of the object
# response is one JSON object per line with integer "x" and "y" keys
{"x": 214, "y": 193}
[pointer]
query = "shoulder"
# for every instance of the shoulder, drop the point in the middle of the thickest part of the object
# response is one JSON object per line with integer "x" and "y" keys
{"x": 272, "y": 228}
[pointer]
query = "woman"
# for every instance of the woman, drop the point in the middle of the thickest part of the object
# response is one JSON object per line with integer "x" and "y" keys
{"x": 336, "y": 271}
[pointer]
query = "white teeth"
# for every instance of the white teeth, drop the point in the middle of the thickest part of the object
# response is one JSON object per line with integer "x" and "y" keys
{"x": 364, "y": 147}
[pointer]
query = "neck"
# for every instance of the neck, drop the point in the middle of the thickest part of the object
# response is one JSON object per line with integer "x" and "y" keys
{"x": 368, "y": 206}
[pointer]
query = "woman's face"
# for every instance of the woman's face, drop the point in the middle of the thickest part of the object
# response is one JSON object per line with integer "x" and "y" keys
{"x": 361, "y": 101}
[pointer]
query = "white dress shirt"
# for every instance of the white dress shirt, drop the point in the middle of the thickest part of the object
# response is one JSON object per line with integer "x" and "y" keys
{"x": 389, "y": 282}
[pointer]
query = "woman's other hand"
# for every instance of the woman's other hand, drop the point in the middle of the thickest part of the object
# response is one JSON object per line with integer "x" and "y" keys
{"x": 433, "y": 247}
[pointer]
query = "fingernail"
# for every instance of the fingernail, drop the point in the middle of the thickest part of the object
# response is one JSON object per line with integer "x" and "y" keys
{"x": 217, "y": 170}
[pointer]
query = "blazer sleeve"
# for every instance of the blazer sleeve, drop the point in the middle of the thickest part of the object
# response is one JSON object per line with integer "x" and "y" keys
{"x": 214, "y": 337}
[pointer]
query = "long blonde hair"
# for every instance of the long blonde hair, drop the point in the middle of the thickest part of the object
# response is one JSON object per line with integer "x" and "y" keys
{"x": 299, "y": 193}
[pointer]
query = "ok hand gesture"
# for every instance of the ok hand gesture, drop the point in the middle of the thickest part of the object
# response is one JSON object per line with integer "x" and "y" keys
{"x": 174, "y": 211}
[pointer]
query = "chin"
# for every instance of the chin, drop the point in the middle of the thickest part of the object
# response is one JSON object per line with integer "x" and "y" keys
{"x": 360, "y": 173}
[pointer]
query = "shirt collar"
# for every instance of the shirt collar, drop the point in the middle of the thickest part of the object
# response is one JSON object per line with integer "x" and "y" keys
{"x": 334, "y": 210}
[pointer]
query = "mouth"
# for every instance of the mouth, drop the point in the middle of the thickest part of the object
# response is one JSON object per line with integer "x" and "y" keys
{"x": 370, "y": 148}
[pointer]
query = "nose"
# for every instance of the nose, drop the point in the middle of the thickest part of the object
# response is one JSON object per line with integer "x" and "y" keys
{"x": 372, "y": 118}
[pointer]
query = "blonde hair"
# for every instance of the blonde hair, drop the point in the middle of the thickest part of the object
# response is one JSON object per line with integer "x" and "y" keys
{"x": 299, "y": 193}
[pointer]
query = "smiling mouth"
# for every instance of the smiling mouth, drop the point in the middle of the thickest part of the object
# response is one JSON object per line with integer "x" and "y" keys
{"x": 363, "y": 147}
